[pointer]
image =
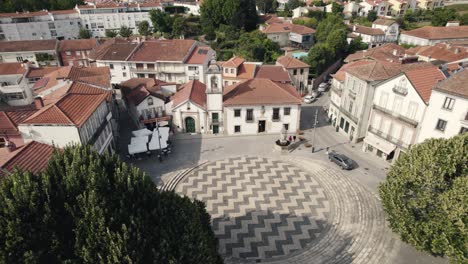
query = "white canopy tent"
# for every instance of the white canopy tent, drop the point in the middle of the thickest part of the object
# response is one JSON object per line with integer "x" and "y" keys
{"x": 163, "y": 136}
{"x": 142, "y": 132}
{"x": 137, "y": 147}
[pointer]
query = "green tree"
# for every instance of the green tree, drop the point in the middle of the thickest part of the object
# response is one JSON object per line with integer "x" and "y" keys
{"x": 255, "y": 46}
{"x": 356, "y": 45}
{"x": 425, "y": 198}
{"x": 372, "y": 16}
{"x": 125, "y": 32}
{"x": 144, "y": 28}
{"x": 91, "y": 208}
{"x": 320, "y": 57}
{"x": 11, "y": 6}
{"x": 162, "y": 22}
{"x": 308, "y": 22}
{"x": 337, "y": 8}
{"x": 240, "y": 13}
{"x": 293, "y": 4}
{"x": 266, "y": 6}
{"x": 326, "y": 26}
{"x": 336, "y": 41}
{"x": 463, "y": 19}
{"x": 179, "y": 27}
{"x": 111, "y": 33}
{"x": 441, "y": 16}
{"x": 84, "y": 34}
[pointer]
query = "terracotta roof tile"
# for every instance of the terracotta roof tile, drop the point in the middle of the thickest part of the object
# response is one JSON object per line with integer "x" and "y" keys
{"x": 9, "y": 120}
{"x": 424, "y": 80}
{"x": 384, "y": 22}
{"x": 40, "y": 72}
{"x": 430, "y": 32}
{"x": 285, "y": 27}
{"x": 72, "y": 109}
{"x": 12, "y": 68}
{"x": 24, "y": 14}
{"x": 289, "y": 62}
{"x": 302, "y": 30}
{"x": 199, "y": 55}
{"x": 455, "y": 84}
{"x": 340, "y": 75}
{"x": 116, "y": 49}
{"x": 78, "y": 44}
{"x": 32, "y": 157}
{"x": 367, "y": 30}
{"x": 246, "y": 71}
{"x": 28, "y": 45}
{"x": 274, "y": 73}
{"x": 386, "y": 52}
{"x": 380, "y": 70}
{"x": 163, "y": 50}
{"x": 195, "y": 91}
{"x": 443, "y": 52}
{"x": 234, "y": 62}
{"x": 260, "y": 92}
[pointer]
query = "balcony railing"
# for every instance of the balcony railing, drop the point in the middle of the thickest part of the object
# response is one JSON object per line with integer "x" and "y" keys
{"x": 395, "y": 115}
{"x": 176, "y": 71}
{"x": 388, "y": 138}
{"x": 133, "y": 69}
{"x": 400, "y": 90}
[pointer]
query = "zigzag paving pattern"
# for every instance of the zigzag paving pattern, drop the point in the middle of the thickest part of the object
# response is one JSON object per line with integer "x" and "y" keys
{"x": 289, "y": 211}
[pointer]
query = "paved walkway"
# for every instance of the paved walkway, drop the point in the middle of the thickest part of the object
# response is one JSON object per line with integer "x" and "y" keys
{"x": 290, "y": 211}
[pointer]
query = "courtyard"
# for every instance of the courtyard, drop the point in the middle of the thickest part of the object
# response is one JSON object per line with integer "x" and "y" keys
{"x": 268, "y": 207}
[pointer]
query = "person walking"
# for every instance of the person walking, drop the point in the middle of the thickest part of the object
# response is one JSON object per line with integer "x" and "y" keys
{"x": 290, "y": 138}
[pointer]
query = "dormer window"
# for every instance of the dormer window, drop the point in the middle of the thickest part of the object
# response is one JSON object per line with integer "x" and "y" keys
{"x": 401, "y": 87}
{"x": 150, "y": 101}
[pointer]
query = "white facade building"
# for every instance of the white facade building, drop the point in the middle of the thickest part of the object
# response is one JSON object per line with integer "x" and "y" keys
{"x": 429, "y": 35}
{"x": 64, "y": 24}
{"x": 447, "y": 114}
{"x": 399, "y": 107}
{"x": 389, "y": 27}
{"x": 14, "y": 87}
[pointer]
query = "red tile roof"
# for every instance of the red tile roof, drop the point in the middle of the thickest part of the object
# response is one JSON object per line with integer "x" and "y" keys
{"x": 72, "y": 109}
{"x": 368, "y": 30}
{"x": 442, "y": 52}
{"x": 115, "y": 49}
{"x": 78, "y": 44}
{"x": 32, "y": 157}
{"x": 24, "y": 14}
{"x": 40, "y": 72}
{"x": 163, "y": 50}
{"x": 288, "y": 27}
{"x": 430, "y": 32}
{"x": 12, "y": 68}
{"x": 340, "y": 75}
{"x": 199, "y": 55}
{"x": 274, "y": 73}
{"x": 456, "y": 84}
{"x": 423, "y": 80}
{"x": 246, "y": 71}
{"x": 193, "y": 91}
{"x": 260, "y": 92}
{"x": 9, "y": 120}
{"x": 290, "y": 62}
{"x": 380, "y": 70}
{"x": 233, "y": 62}
{"x": 386, "y": 52}
{"x": 28, "y": 45}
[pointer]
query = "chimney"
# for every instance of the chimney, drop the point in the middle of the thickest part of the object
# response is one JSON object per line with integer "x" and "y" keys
{"x": 395, "y": 52}
{"x": 38, "y": 102}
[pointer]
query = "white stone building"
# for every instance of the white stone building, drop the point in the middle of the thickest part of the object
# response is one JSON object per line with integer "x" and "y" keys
{"x": 429, "y": 35}
{"x": 288, "y": 34}
{"x": 374, "y": 37}
{"x": 60, "y": 24}
{"x": 14, "y": 87}
{"x": 447, "y": 114}
{"x": 37, "y": 52}
{"x": 398, "y": 109}
{"x": 249, "y": 107}
{"x": 112, "y": 16}
{"x": 382, "y": 7}
{"x": 389, "y": 27}
{"x": 298, "y": 72}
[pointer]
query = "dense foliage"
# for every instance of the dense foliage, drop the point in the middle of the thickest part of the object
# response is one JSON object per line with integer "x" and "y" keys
{"x": 425, "y": 197}
{"x": 10, "y": 6}
{"x": 84, "y": 34}
{"x": 125, "y": 32}
{"x": 88, "y": 208}
{"x": 144, "y": 28}
{"x": 241, "y": 14}
{"x": 255, "y": 46}
{"x": 267, "y": 6}
{"x": 174, "y": 26}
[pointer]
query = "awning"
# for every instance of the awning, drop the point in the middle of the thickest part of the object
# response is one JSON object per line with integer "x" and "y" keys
{"x": 159, "y": 140}
{"x": 378, "y": 143}
{"x": 143, "y": 139}
{"x": 142, "y": 132}
{"x": 137, "y": 147}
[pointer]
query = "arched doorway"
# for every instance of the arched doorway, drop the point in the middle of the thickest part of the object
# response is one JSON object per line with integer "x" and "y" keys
{"x": 189, "y": 125}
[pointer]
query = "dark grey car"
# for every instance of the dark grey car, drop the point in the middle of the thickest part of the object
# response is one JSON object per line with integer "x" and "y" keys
{"x": 341, "y": 160}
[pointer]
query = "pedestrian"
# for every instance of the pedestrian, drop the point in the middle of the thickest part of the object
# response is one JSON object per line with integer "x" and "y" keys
{"x": 294, "y": 138}
{"x": 327, "y": 150}
{"x": 290, "y": 138}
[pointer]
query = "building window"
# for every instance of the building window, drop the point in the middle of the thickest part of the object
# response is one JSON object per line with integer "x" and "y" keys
{"x": 295, "y": 72}
{"x": 286, "y": 127}
{"x": 302, "y": 71}
{"x": 249, "y": 116}
{"x": 287, "y": 111}
{"x": 350, "y": 109}
{"x": 448, "y": 103}
{"x": 237, "y": 112}
{"x": 463, "y": 130}
{"x": 192, "y": 68}
{"x": 111, "y": 66}
{"x": 441, "y": 124}
{"x": 276, "y": 115}
{"x": 232, "y": 71}
{"x": 150, "y": 101}
{"x": 19, "y": 59}
{"x": 226, "y": 71}
{"x": 15, "y": 96}
{"x": 124, "y": 74}
{"x": 78, "y": 53}
{"x": 237, "y": 129}
{"x": 68, "y": 53}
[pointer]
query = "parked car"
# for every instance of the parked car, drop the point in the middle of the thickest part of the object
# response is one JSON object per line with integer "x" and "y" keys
{"x": 308, "y": 99}
{"x": 341, "y": 160}
{"x": 323, "y": 87}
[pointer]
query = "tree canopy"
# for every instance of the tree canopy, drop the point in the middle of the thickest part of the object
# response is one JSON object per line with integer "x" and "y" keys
{"x": 441, "y": 16}
{"x": 111, "y": 33}
{"x": 84, "y": 34}
{"x": 255, "y": 46}
{"x": 241, "y": 14}
{"x": 91, "y": 208}
{"x": 125, "y": 32}
{"x": 425, "y": 197}
{"x": 144, "y": 28}
{"x": 10, "y": 6}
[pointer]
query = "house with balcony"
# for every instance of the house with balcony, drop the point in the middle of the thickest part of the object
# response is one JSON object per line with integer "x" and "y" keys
{"x": 447, "y": 113}
{"x": 37, "y": 52}
{"x": 430, "y": 4}
{"x": 75, "y": 52}
{"x": 381, "y": 7}
{"x": 14, "y": 87}
{"x": 236, "y": 69}
{"x": 145, "y": 100}
{"x": 288, "y": 34}
{"x": 373, "y": 37}
{"x": 252, "y": 106}
{"x": 399, "y": 7}
{"x": 351, "y": 115}
{"x": 399, "y": 106}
